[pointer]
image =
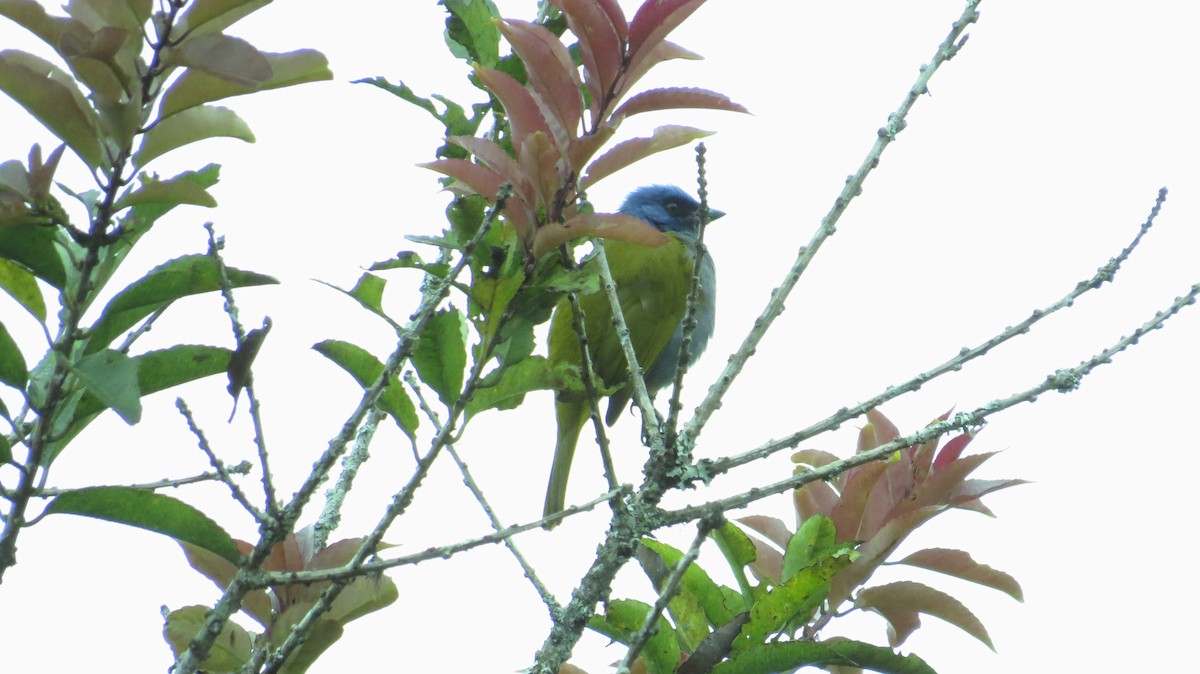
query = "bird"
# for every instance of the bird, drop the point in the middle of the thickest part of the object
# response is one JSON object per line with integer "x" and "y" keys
{"x": 652, "y": 286}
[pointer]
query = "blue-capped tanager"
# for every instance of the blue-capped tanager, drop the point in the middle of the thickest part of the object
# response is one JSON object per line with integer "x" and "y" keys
{"x": 652, "y": 284}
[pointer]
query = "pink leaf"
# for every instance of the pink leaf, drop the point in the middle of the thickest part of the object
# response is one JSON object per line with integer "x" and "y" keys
{"x": 874, "y": 552}
{"x": 478, "y": 179}
{"x": 654, "y": 20}
{"x": 768, "y": 562}
{"x": 540, "y": 160}
{"x": 814, "y": 498}
{"x": 495, "y": 158}
{"x": 616, "y": 226}
{"x": 221, "y": 572}
{"x": 773, "y": 528}
{"x": 630, "y": 151}
{"x": 524, "y": 115}
{"x": 847, "y": 515}
{"x": 967, "y": 494}
{"x": 584, "y": 148}
{"x": 552, "y": 74}
{"x": 663, "y": 51}
{"x": 910, "y": 596}
{"x": 937, "y": 487}
{"x": 674, "y": 98}
{"x": 951, "y": 451}
{"x": 601, "y": 30}
{"x": 960, "y": 565}
{"x": 816, "y": 458}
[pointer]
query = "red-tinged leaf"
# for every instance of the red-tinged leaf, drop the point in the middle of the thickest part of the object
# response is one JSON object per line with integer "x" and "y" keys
{"x": 847, "y": 515}
{"x": 674, "y": 98}
{"x": 653, "y": 21}
{"x": 817, "y": 458}
{"x": 615, "y": 226}
{"x": 616, "y": 17}
{"x": 901, "y": 623}
{"x": 910, "y": 596}
{"x": 814, "y": 498}
{"x": 583, "y": 149}
{"x": 221, "y": 572}
{"x": 874, "y": 552}
{"x": 478, "y": 179}
{"x": 960, "y": 565}
{"x": 967, "y": 494}
{"x": 768, "y": 561}
{"x": 663, "y": 51}
{"x": 495, "y": 158}
{"x": 524, "y": 115}
{"x": 601, "y": 35}
{"x": 773, "y": 528}
{"x": 551, "y": 72}
{"x": 635, "y": 149}
{"x": 880, "y": 430}
{"x": 938, "y": 487}
{"x": 540, "y": 160}
{"x": 951, "y": 451}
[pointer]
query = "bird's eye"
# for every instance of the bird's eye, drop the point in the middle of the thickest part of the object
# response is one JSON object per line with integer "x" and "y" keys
{"x": 672, "y": 207}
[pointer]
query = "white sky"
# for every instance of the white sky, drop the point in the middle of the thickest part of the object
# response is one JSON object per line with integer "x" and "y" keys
{"x": 1034, "y": 162}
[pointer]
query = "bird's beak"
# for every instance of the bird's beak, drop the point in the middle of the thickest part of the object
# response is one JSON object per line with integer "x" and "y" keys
{"x": 714, "y": 214}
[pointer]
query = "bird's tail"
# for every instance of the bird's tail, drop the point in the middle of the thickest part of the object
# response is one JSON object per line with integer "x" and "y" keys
{"x": 571, "y": 418}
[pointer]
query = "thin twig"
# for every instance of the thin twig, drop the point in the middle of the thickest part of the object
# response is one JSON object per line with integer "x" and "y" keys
{"x": 1064, "y": 381}
{"x": 526, "y": 568}
{"x": 262, "y": 579}
{"x": 668, "y": 591}
{"x": 238, "y": 495}
{"x": 896, "y": 123}
{"x": 707, "y": 469}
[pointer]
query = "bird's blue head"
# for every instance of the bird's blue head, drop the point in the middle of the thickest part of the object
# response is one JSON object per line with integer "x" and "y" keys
{"x": 668, "y": 208}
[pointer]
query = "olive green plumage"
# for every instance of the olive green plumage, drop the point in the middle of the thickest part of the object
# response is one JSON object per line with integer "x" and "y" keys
{"x": 652, "y": 286}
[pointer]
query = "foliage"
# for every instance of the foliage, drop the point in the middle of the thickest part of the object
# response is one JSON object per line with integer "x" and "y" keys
{"x": 278, "y": 609}
{"x": 846, "y": 529}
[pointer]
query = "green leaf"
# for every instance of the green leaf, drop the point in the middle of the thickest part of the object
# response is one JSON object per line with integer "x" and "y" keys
{"x": 366, "y": 368}
{"x": 5, "y": 448}
{"x": 30, "y": 15}
{"x": 212, "y": 16}
{"x": 409, "y": 260}
{"x": 226, "y": 57}
{"x": 111, "y": 376}
{"x": 196, "y": 87}
{"x": 471, "y": 33}
{"x": 736, "y": 545}
{"x": 149, "y": 511}
{"x": 35, "y": 249}
{"x": 506, "y": 387}
{"x": 174, "y": 191}
{"x": 814, "y": 541}
{"x": 183, "y": 276}
{"x": 367, "y": 291}
{"x": 697, "y": 582}
{"x": 441, "y": 354}
{"x": 50, "y": 95}
{"x": 22, "y": 285}
{"x": 230, "y": 651}
{"x": 789, "y": 602}
{"x": 624, "y": 617}
{"x": 791, "y": 655}
{"x": 189, "y": 126}
{"x": 156, "y": 371}
{"x": 13, "y": 369}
